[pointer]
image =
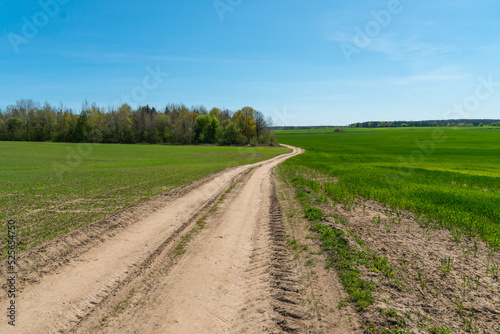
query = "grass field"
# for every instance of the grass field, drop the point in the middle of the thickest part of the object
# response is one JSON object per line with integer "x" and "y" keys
{"x": 451, "y": 177}
{"x": 402, "y": 271}
{"x": 50, "y": 189}
{"x": 348, "y": 129}
{"x": 332, "y": 130}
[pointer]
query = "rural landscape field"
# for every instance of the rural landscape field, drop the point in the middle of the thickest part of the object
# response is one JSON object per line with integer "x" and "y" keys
{"x": 346, "y": 231}
{"x": 250, "y": 167}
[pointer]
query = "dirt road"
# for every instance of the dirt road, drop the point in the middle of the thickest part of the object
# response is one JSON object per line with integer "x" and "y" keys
{"x": 231, "y": 278}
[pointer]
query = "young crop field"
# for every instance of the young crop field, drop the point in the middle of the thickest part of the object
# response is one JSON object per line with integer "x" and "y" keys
{"x": 50, "y": 189}
{"x": 332, "y": 130}
{"x": 410, "y": 220}
{"x": 449, "y": 176}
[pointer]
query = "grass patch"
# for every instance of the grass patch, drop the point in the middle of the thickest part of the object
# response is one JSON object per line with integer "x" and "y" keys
{"x": 345, "y": 259}
{"x": 439, "y": 330}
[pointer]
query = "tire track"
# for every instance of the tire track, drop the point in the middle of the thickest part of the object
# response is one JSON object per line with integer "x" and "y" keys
{"x": 285, "y": 283}
{"x": 273, "y": 294}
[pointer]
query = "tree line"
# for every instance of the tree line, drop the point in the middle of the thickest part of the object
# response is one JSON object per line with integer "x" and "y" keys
{"x": 436, "y": 123}
{"x": 28, "y": 120}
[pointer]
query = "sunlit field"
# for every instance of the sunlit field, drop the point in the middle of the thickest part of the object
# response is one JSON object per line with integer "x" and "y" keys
{"x": 449, "y": 176}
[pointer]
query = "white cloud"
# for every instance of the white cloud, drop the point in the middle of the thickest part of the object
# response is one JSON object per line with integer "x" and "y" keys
{"x": 439, "y": 75}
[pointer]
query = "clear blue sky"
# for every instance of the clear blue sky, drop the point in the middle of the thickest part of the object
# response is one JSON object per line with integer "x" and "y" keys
{"x": 285, "y": 58}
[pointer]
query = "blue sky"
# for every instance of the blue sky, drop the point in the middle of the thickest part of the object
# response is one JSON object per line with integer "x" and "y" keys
{"x": 411, "y": 60}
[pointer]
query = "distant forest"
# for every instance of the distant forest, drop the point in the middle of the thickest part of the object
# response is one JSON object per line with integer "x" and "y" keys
{"x": 450, "y": 122}
{"x": 28, "y": 120}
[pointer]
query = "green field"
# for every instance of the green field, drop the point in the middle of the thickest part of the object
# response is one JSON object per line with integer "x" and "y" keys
{"x": 53, "y": 188}
{"x": 332, "y": 130}
{"x": 449, "y": 176}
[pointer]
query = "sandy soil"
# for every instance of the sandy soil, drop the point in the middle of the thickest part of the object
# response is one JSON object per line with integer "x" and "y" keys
{"x": 466, "y": 299}
{"x": 136, "y": 273}
{"x": 463, "y": 299}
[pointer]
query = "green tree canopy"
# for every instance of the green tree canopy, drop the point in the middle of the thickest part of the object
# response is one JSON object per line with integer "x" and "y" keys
{"x": 206, "y": 129}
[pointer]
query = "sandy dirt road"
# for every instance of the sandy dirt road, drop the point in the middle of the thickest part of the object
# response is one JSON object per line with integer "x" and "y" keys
{"x": 232, "y": 267}
{"x": 227, "y": 281}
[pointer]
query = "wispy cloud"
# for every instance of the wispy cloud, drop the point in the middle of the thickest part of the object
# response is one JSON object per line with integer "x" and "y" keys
{"x": 394, "y": 47}
{"x": 424, "y": 49}
{"x": 425, "y": 79}
{"x": 439, "y": 75}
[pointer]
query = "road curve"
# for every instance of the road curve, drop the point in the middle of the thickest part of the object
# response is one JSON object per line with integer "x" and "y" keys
{"x": 63, "y": 298}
